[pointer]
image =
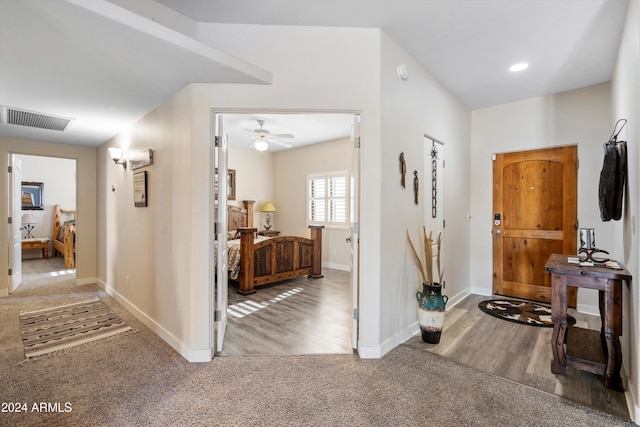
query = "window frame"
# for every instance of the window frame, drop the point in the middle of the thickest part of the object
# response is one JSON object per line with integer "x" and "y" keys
{"x": 346, "y": 199}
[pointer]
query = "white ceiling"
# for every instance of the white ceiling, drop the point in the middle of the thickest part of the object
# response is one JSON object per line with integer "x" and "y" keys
{"x": 106, "y": 67}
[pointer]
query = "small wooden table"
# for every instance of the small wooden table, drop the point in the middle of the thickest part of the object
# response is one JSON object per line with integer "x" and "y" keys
{"x": 42, "y": 243}
{"x": 269, "y": 233}
{"x": 608, "y": 282}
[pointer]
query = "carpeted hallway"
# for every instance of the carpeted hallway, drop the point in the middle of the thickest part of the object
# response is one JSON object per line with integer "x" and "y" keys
{"x": 137, "y": 379}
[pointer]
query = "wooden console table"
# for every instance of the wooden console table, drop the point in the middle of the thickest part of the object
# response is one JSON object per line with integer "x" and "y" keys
{"x": 37, "y": 244}
{"x": 606, "y": 360}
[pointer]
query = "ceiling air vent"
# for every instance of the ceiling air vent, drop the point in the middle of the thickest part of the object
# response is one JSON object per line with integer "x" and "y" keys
{"x": 14, "y": 116}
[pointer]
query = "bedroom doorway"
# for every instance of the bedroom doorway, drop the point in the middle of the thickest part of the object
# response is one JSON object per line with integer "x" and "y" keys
{"x": 41, "y": 183}
{"x": 298, "y": 145}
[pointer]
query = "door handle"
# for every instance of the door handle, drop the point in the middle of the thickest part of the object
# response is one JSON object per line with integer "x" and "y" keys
{"x": 498, "y": 231}
{"x": 348, "y": 239}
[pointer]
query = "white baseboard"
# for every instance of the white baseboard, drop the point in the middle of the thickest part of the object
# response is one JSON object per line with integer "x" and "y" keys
{"x": 481, "y": 291}
{"x": 192, "y": 355}
{"x": 376, "y": 352}
{"x": 86, "y": 281}
{"x": 588, "y": 309}
{"x": 336, "y": 266}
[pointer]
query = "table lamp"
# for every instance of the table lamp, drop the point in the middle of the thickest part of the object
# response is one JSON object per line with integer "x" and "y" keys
{"x": 268, "y": 207}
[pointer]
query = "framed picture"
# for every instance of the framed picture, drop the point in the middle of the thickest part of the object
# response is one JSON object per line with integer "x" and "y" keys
{"x": 140, "y": 189}
{"x": 32, "y": 196}
{"x": 231, "y": 184}
{"x": 141, "y": 159}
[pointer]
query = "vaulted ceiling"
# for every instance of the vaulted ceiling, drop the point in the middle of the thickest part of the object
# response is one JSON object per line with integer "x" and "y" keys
{"x": 104, "y": 66}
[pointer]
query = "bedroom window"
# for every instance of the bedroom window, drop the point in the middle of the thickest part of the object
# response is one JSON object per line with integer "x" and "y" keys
{"x": 328, "y": 198}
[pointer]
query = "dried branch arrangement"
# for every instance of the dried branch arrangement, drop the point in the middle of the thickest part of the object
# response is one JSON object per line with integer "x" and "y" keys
{"x": 426, "y": 266}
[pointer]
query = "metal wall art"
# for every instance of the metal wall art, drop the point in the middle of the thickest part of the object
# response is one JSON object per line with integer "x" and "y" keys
{"x": 403, "y": 170}
{"x": 434, "y": 180}
{"x": 416, "y": 187}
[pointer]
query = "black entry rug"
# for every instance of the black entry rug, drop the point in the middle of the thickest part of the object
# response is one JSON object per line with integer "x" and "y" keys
{"x": 58, "y": 328}
{"x": 524, "y": 312}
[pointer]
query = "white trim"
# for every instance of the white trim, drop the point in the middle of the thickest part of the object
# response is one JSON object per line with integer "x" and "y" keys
{"x": 335, "y": 266}
{"x": 588, "y": 309}
{"x": 192, "y": 355}
{"x": 86, "y": 281}
{"x": 395, "y": 340}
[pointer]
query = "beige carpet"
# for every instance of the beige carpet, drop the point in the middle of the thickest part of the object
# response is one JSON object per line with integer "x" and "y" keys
{"x": 138, "y": 380}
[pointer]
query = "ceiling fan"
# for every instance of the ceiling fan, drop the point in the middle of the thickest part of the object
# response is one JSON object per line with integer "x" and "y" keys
{"x": 264, "y": 137}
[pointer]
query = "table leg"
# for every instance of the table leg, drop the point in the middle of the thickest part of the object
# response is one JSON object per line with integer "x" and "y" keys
{"x": 559, "y": 317}
{"x": 610, "y": 301}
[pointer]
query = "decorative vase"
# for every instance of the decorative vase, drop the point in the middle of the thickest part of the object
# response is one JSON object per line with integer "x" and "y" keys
{"x": 431, "y": 306}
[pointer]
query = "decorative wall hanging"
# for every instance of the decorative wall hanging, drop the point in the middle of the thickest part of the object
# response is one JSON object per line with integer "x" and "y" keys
{"x": 612, "y": 176}
{"x": 32, "y": 196}
{"x": 403, "y": 170}
{"x": 416, "y": 187}
{"x": 140, "y": 189}
{"x": 141, "y": 159}
{"x": 434, "y": 180}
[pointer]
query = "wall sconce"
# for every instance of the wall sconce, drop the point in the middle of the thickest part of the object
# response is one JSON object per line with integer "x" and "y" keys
{"x": 118, "y": 155}
{"x": 268, "y": 207}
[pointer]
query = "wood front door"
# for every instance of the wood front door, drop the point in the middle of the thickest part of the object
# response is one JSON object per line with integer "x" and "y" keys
{"x": 535, "y": 215}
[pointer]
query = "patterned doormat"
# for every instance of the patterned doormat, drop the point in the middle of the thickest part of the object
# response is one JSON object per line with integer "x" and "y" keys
{"x": 524, "y": 312}
{"x": 58, "y": 328}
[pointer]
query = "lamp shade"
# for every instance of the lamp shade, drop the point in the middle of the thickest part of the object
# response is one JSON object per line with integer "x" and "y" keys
{"x": 268, "y": 207}
{"x": 115, "y": 153}
{"x": 29, "y": 219}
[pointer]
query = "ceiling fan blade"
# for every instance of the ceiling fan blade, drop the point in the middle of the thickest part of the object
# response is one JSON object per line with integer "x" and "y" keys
{"x": 280, "y": 143}
{"x": 282, "y": 135}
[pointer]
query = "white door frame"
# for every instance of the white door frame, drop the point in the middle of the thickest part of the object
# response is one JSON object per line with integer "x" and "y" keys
{"x": 15, "y": 227}
{"x": 222, "y": 263}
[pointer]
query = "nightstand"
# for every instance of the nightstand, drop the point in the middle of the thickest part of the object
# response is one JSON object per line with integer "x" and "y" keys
{"x": 269, "y": 233}
{"x": 37, "y": 244}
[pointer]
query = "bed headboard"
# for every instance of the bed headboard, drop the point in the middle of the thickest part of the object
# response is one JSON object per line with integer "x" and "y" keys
{"x": 240, "y": 217}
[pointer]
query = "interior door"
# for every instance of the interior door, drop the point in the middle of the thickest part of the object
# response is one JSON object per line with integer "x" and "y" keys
{"x": 220, "y": 217}
{"x": 434, "y": 194}
{"x": 535, "y": 215}
{"x": 15, "y": 207}
{"x": 355, "y": 228}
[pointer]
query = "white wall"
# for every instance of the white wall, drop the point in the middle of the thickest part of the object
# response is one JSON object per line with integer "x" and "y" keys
{"x": 254, "y": 179}
{"x": 410, "y": 109}
{"x": 580, "y": 117}
{"x": 59, "y": 178}
{"x": 85, "y": 157}
{"x": 163, "y": 249}
{"x": 318, "y": 69}
{"x": 626, "y": 104}
{"x": 155, "y": 260}
{"x": 292, "y": 167}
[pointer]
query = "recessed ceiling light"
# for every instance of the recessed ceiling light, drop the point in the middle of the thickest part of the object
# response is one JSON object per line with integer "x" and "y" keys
{"x": 519, "y": 67}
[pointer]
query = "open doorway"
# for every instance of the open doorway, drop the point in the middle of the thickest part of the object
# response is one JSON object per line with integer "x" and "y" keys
{"x": 43, "y": 194}
{"x": 299, "y": 315}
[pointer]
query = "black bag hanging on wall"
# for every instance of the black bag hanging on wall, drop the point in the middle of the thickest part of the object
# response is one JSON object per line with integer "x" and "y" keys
{"x": 613, "y": 176}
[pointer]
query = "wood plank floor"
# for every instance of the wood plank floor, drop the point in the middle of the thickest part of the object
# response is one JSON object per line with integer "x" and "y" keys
{"x": 519, "y": 353}
{"x": 307, "y": 316}
{"x": 295, "y": 317}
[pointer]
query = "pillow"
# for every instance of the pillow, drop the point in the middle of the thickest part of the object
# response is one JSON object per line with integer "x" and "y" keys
{"x": 233, "y": 234}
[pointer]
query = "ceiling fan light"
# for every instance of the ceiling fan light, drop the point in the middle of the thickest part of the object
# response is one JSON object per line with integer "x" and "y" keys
{"x": 261, "y": 145}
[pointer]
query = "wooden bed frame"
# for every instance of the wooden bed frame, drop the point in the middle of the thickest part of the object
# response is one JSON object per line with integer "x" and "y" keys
{"x": 66, "y": 246}
{"x": 275, "y": 259}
